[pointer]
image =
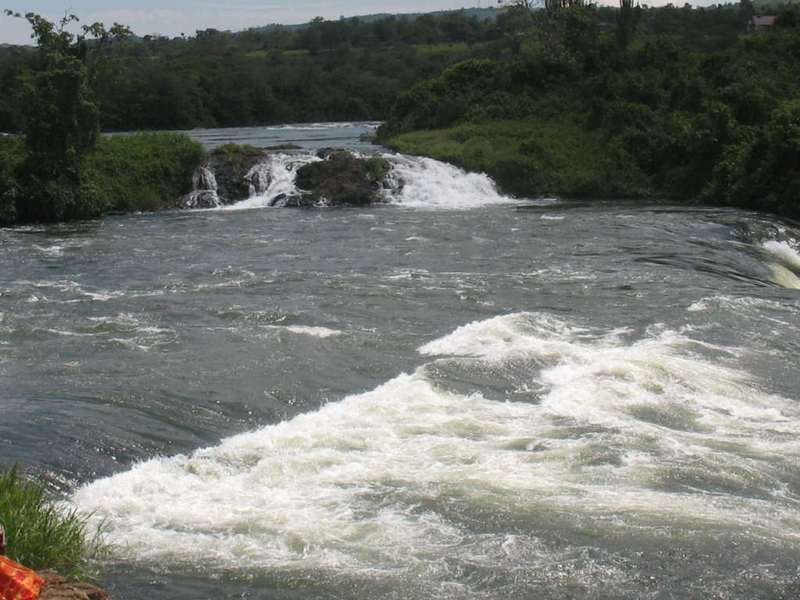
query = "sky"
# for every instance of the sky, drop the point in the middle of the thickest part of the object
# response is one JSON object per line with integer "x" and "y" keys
{"x": 186, "y": 16}
{"x": 146, "y": 17}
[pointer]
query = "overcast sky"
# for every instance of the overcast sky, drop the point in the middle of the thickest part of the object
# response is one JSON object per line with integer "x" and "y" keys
{"x": 186, "y": 16}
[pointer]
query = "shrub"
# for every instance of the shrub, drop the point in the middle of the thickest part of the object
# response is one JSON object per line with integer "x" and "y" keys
{"x": 141, "y": 172}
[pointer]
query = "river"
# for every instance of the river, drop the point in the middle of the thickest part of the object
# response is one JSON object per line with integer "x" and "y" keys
{"x": 453, "y": 395}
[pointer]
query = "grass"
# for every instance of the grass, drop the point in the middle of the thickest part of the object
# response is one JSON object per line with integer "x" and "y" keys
{"x": 142, "y": 172}
{"x": 532, "y": 157}
{"x": 41, "y": 534}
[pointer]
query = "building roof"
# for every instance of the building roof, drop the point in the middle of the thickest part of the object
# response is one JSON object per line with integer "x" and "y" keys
{"x": 764, "y": 21}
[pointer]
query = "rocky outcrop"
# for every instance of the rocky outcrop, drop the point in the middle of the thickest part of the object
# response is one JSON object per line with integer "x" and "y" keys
{"x": 341, "y": 178}
{"x": 57, "y": 587}
{"x": 286, "y": 176}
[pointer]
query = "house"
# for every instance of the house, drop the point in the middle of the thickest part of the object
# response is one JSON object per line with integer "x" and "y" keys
{"x": 760, "y": 23}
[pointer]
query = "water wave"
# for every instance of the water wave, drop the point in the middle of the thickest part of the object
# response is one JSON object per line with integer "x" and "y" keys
{"x": 624, "y": 436}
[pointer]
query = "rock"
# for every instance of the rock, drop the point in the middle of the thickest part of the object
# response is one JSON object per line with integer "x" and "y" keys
{"x": 341, "y": 178}
{"x": 57, "y": 587}
{"x": 231, "y": 165}
{"x": 200, "y": 199}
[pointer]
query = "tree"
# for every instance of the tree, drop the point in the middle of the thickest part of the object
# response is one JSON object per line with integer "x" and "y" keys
{"x": 627, "y": 20}
{"x": 60, "y": 116}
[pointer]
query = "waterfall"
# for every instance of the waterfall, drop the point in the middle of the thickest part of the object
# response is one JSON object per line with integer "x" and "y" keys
{"x": 204, "y": 193}
{"x": 418, "y": 182}
{"x": 412, "y": 182}
{"x": 272, "y": 181}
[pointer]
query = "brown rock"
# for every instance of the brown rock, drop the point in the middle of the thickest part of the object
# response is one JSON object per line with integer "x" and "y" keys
{"x": 57, "y": 587}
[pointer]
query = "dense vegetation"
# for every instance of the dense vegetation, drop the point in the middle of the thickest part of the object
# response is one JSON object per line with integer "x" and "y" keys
{"x": 675, "y": 102}
{"x": 40, "y": 534}
{"x": 328, "y": 70}
{"x": 61, "y": 169}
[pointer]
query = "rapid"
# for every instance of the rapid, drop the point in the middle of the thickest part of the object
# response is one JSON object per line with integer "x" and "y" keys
{"x": 455, "y": 394}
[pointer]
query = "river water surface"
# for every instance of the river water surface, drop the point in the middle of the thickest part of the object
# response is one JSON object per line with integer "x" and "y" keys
{"x": 454, "y": 395}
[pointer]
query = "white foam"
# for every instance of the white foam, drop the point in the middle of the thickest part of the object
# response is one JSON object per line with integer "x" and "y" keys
{"x": 275, "y": 179}
{"x": 319, "y": 332}
{"x": 785, "y": 252}
{"x": 417, "y": 182}
{"x": 785, "y": 270}
{"x": 784, "y": 277}
{"x": 624, "y": 432}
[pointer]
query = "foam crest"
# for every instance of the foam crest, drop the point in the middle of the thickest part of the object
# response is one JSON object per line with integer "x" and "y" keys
{"x": 785, "y": 252}
{"x": 627, "y": 435}
{"x": 784, "y": 271}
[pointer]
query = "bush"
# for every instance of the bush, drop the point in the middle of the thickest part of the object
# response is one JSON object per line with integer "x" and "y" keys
{"x": 40, "y": 534}
{"x": 141, "y": 172}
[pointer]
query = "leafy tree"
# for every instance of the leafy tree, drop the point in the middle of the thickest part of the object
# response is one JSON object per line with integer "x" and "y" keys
{"x": 61, "y": 117}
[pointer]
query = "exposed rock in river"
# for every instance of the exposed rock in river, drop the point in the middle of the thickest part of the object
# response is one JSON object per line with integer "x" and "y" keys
{"x": 341, "y": 178}
{"x": 286, "y": 176}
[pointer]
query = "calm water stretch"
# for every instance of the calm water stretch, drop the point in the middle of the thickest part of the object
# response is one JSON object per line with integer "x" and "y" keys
{"x": 455, "y": 395}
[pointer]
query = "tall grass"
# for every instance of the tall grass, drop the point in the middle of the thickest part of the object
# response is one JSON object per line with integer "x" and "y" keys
{"x": 40, "y": 533}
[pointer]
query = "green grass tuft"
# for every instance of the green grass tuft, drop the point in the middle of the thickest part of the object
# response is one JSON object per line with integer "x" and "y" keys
{"x": 40, "y": 533}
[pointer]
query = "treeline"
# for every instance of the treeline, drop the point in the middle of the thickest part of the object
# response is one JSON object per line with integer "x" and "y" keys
{"x": 328, "y": 70}
{"x": 675, "y": 102}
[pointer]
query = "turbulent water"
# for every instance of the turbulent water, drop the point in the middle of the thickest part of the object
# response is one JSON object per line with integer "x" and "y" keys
{"x": 452, "y": 395}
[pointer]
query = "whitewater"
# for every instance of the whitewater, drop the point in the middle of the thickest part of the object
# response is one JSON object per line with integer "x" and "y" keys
{"x": 453, "y": 394}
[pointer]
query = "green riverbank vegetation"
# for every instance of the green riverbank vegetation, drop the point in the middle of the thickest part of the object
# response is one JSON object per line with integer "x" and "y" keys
{"x": 61, "y": 169}
{"x": 39, "y": 533}
{"x": 669, "y": 102}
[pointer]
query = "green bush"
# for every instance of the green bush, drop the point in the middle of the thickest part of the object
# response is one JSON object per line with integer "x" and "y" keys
{"x": 142, "y": 172}
{"x": 41, "y": 534}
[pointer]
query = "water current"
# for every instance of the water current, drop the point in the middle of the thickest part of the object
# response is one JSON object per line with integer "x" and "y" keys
{"x": 453, "y": 395}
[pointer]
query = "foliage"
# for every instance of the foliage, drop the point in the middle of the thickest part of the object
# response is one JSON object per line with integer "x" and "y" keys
{"x": 40, "y": 533}
{"x": 11, "y": 155}
{"x": 143, "y": 172}
{"x": 714, "y": 118}
{"x": 329, "y": 70}
{"x": 60, "y": 118}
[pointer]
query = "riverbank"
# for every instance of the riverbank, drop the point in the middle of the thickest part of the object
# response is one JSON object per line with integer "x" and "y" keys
{"x": 572, "y": 111}
{"x": 531, "y": 158}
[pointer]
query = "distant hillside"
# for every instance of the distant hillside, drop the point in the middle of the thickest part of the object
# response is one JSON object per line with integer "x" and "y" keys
{"x": 481, "y": 14}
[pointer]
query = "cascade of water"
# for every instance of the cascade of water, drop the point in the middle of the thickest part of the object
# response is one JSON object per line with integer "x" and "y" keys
{"x": 272, "y": 181}
{"x": 204, "y": 194}
{"x": 426, "y": 183}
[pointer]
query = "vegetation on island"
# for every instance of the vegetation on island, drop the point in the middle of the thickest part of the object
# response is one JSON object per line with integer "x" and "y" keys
{"x": 60, "y": 169}
{"x": 40, "y": 534}
{"x": 672, "y": 102}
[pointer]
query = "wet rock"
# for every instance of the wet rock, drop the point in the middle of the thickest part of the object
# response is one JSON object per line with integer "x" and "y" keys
{"x": 57, "y": 587}
{"x": 341, "y": 178}
{"x": 231, "y": 165}
{"x": 200, "y": 199}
